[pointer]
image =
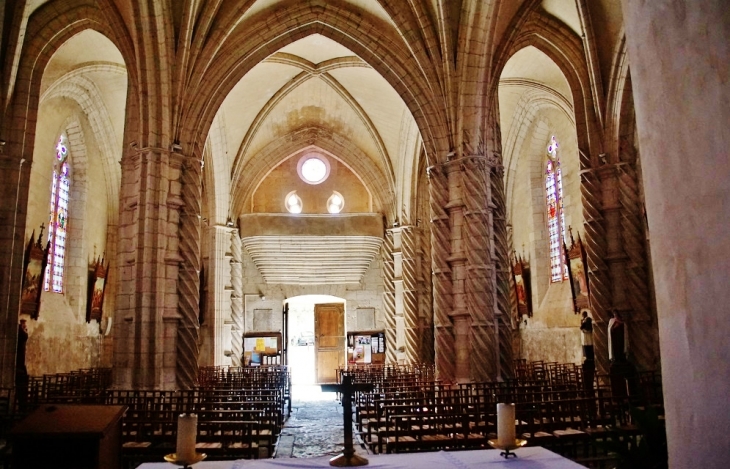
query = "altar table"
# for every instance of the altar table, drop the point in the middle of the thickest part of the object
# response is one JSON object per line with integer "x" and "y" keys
{"x": 527, "y": 458}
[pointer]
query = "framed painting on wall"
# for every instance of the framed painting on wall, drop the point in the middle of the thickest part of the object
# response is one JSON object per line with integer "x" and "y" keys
{"x": 576, "y": 256}
{"x": 97, "y": 286}
{"x": 34, "y": 268}
{"x": 521, "y": 273}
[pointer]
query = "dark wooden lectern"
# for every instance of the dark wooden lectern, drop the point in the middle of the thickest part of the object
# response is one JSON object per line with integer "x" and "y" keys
{"x": 69, "y": 436}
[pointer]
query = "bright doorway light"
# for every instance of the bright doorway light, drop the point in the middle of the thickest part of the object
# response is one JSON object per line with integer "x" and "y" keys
{"x": 301, "y": 350}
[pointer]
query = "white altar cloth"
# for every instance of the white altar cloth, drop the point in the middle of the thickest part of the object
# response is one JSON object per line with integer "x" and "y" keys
{"x": 527, "y": 458}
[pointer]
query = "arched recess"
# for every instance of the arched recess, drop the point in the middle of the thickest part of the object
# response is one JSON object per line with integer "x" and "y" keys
{"x": 217, "y": 173}
{"x": 75, "y": 85}
{"x": 311, "y": 71}
{"x": 385, "y": 53}
{"x": 533, "y": 27}
{"x": 531, "y": 112}
{"x": 383, "y": 195}
{"x": 49, "y": 27}
{"x": 411, "y": 174}
{"x": 76, "y": 272}
{"x": 620, "y": 104}
{"x": 526, "y": 112}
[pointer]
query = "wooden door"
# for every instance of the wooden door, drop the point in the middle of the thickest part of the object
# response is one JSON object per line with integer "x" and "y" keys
{"x": 329, "y": 341}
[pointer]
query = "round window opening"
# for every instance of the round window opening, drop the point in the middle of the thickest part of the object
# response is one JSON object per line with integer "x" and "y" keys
{"x": 335, "y": 203}
{"x": 313, "y": 168}
{"x": 293, "y": 202}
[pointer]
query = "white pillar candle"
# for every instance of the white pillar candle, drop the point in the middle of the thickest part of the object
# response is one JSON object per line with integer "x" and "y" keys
{"x": 506, "y": 424}
{"x": 187, "y": 430}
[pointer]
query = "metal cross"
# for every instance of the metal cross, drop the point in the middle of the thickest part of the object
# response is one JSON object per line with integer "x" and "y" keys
{"x": 348, "y": 458}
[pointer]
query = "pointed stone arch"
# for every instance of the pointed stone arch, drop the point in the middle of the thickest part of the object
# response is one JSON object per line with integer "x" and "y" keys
{"x": 334, "y": 144}
{"x": 556, "y": 40}
{"x": 386, "y": 53}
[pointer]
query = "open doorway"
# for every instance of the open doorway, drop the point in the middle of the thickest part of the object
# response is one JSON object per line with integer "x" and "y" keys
{"x": 316, "y": 325}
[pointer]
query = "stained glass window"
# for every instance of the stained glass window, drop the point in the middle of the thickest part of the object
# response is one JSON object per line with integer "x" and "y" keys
{"x": 555, "y": 213}
{"x": 58, "y": 220}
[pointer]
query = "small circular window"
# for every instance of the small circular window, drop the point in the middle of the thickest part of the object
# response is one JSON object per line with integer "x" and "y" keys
{"x": 313, "y": 168}
{"x": 335, "y": 203}
{"x": 293, "y": 202}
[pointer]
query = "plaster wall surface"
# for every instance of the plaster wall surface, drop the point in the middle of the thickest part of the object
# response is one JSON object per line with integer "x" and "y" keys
{"x": 366, "y": 294}
{"x": 679, "y": 58}
{"x": 552, "y": 334}
{"x": 271, "y": 193}
{"x": 61, "y": 340}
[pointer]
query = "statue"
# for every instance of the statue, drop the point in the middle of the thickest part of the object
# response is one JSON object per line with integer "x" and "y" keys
{"x": 21, "y": 372}
{"x": 617, "y": 343}
{"x": 586, "y": 329}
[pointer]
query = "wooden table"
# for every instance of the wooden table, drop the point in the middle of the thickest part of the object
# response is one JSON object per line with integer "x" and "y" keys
{"x": 69, "y": 436}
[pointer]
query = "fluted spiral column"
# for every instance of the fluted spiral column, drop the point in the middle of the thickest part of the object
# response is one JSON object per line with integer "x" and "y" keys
{"x": 389, "y": 298}
{"x": 476, "y": 236}
{"x": 643, "y": 332}
{"x": 409, "y": 250}
{"x": 236, "y": 299}
{"x": 595, "y": 246}
{"x": 424, "y": 296}
{"x": 503, "y": 310}
{"x": 188, "y": 284}
{"x": 444, "y": 346}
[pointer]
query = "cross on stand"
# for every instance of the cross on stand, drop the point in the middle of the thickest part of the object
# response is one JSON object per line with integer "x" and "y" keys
{"x": 348, "y": 458}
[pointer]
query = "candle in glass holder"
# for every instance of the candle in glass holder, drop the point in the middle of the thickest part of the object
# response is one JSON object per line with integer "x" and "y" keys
{"x": 506, "y": 424}
{"x": 187, "y": 430}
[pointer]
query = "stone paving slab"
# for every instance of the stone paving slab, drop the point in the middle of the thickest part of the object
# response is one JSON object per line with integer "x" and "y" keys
{"x": 314, "y": 429}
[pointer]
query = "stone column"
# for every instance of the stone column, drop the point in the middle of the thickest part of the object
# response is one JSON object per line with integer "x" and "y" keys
{"x": 188, "y": 284}
{"x": 424, "y": 296}
{"x": 218, "y": 275}
{"x": 466, "y": 333}
{"x": 626, "y": 260}
{"x": 444, "y": 345}
{"x": 237, "y": 324}
{"x": 476, "y": 236}
{"x": 389, "y": 298}
{"x": 598, "y": 276}
{"x": 409, "y": 250}
{"x": 643, "y": 332}
{"x": 146, "y": 318}
{"x": 501, "y": 268}
{"x": 13, "y": 187}
{"x": 679, "y": 55}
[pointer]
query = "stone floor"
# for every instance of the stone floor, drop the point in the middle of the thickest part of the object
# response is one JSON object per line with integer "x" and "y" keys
{"x": 315, "y": 427}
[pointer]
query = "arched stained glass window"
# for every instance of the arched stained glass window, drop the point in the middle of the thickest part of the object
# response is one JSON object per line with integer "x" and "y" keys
{"x": 555, "y": 213}
{"x": 58, "y": 222}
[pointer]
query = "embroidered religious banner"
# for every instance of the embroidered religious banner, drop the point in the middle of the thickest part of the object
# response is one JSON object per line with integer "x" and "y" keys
{"x": 576, "y": 256}
{"x": 34, "y": 269}
{"x": 97, "y": 286}
{"x": 521, "y": 273}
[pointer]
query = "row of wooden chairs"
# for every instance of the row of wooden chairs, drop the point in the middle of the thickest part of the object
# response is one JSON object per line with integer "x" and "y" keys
{"x": 263, "y": 377}
{"x": 240, "y": 411}
{"x": 554, "y": 409}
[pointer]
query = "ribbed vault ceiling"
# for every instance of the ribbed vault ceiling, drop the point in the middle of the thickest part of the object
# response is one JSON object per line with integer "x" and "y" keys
{"x": 317, "y": 83}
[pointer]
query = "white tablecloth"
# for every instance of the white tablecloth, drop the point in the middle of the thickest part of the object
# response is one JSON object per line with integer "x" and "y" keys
{"x": 527, "y": 458}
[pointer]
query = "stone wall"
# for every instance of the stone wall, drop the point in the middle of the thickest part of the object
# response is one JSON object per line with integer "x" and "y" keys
{"x": 61, "y": 340}
{"x": 271, "y": 192}
{"x": 552, "y": 333}
{"x": 265, "y": 314}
